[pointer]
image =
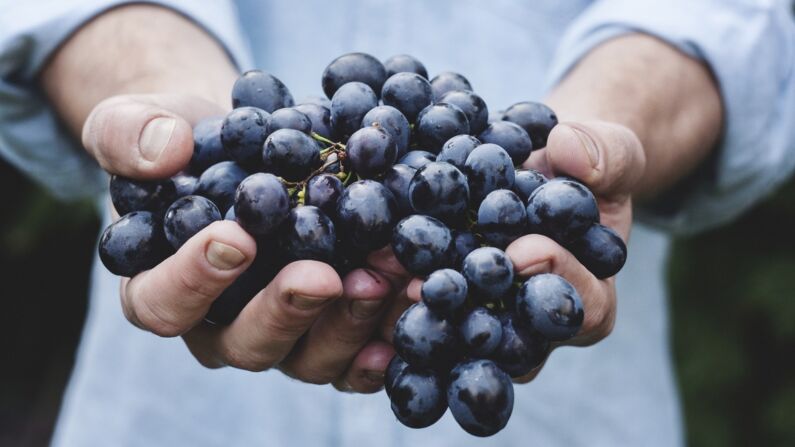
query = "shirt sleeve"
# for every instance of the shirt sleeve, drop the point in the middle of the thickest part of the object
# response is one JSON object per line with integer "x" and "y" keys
{"x": 31, "y": 137}
{"x": 750, "y": 48}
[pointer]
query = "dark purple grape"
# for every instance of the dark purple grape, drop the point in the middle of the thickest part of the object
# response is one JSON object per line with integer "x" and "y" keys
{"x": 601, "y": 250}
{"x": 371, "y": 151}
{"x": 404, "y": 63}
{"x": 256, "y": 88}
{"x": 562, "y": 210}
{"x": 397, "y": 179}
{"x": 396, "y": 366}
{"x": 130, "y": 195}
{"x": 527, "y": 181}
{"x": 464, "y": 242}
{"x": 349, "y": 105}
{"x": 186, "y": 217}
{"x": 510, "y": 137}
{"x": 366, "y": 214}
{"x": 473, "y": 106}
{"x": 243, "y": 132}
{"x": 456, "y": 150}
{"x": 308, "y": 234}
{"x": 207, "y": 147}
{"x": 133, "y": 244}
{"x": 324, "y": 191}
{"x": 289, "y": 119}
{"x": 444, "y": 291}
{"x": 219, "y": 183}
{"x": 422, "y": 244}
{"x": 319, "y": 116}
{"x": 184, "y": 184}
{"x": 437, "y": 123}
{"x": 353, "y": 67}
{"x": 440, "y": 190}
{"x": 418, "y": 398}
{"x": 290, "y": 154}
{"x": 480, "y": 396}
{"x": 535, "y": 118}
{"x": 488, "y": 168}
{"x": 417, "y": 159}
{"x": 489, "y": 273}
{"x": 407, "y": 92}
{"x": 501, "y": 218}
{"x": 261, "y": 203}
{"x": 550, "y": 306}
{"x": 448, "y": 81}
{"x": 393, "y": 122}
{"x": 424, "y": 339}
{"x": 480, "y": 332}
{"x": 520, "y": 350}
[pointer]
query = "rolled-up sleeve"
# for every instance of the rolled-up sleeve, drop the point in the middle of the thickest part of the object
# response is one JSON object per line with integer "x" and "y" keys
{"x": 750, "y": 48}
{"x": 31, "y": 137}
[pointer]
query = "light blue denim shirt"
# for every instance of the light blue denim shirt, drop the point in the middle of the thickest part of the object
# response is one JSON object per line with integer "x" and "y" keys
{"x": 133, "y": 388}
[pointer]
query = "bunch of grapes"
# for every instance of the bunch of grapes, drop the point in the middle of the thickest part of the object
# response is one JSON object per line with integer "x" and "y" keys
{"x": 390, "y": 159}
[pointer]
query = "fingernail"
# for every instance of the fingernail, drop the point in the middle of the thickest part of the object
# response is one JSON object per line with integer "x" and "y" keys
{"x": 589, "y": 144}
{"x": 534, "y": 269}
{"x": 155, "y": 137}
{"x": 224, "y": 257}
{"x": 307, "y": 302}
{"x": 364, "y": 309}
{"x": 374, "y": 376}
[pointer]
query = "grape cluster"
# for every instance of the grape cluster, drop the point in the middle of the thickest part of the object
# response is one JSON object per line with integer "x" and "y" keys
{"x": 389, "y": 158}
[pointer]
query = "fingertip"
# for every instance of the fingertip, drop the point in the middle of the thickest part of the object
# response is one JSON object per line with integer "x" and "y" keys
{"x": 384, "y": 261}
{"x": 310, "y": 278}
{"x": 365, "y": 284}
{"x": 571, "y": 150}
{"x": 366, "y": 373}
{"x": 414, "y": 289}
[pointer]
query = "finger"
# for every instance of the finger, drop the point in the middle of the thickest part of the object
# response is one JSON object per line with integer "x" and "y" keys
{"x": 396, "y": 307}
{"x": 175, "y": 295}
{"x": 341, "y": 331}
{"x": 414, "y": 289}
{"x": 534, "y": 254}
{"x": 144, "y": 136}
{"x": 366, "y": 372}
{"x": 385, "y": 262}
{"x": 270, "y": 325}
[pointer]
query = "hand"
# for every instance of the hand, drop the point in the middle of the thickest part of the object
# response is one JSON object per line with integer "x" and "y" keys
{"x": 308, "y": 321}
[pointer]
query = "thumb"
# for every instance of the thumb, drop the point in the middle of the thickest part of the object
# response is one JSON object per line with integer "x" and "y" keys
{"x": 144, "y": 136}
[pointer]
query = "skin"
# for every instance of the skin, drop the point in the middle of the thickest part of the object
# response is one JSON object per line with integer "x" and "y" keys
{"x": 309, "y": 322}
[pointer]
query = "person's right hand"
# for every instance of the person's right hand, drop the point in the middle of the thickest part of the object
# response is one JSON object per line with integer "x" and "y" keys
{"x": 308, "y": 321}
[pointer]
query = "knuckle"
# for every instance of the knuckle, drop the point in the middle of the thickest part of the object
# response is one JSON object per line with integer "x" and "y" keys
{"x": 197, "y": 288}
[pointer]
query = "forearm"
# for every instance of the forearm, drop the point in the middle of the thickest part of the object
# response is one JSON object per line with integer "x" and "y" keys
{"x": 135, "y": 49}
{"x": 668, "y": 99}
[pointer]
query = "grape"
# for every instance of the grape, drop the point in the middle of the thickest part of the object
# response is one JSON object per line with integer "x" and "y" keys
{"x": 243, "y": 132}
{"x": 456, "y": 150}
{"x": 207, "y": 147}
{"x": 319, "y": 116}
{"x": 396, "y": 366}
{"x": 128, "y": 195}
{"x": 422, "y": 244}
{"x": 480, "y": 396}
{"x": 527, "y": 181}
{"x": 488, "y": 167}
{"x": 324, "y": 191}
{"x": 510, "y": 137}
{"x": 448, "y": 81}
{"x": 418, "y": 398}
{"x": 464, "y": 242}
{"x": 520, "y": 350}
{"x": 371, "y": 151}
{"x": 255, "y": 88}
{"x": 551, "y": 306}
{"x": 316, "y": 100}
{"x": 366, "y": 213}
{"x": 489, "y": 273}
{"x": 601, "y": 250}
{"x": 353, "y": 67}
{"x": 417, "y": 159}
{"x": 535, "y": 118}
{"x": 562, "y": 210}
{"x": 393, "y": 122}
{"x": 289, "y": 119}
{"x": 133, "y": 244}
{"x": 424, "y": 339}
{"x": 407, "y": 92}
{"x": 473, "y": 106}
{"x": 481, "y": 332}
{"x": 308, "y": 234}
{"x": 184, "y": 184}
{"x": 404, "y": 63}
{"x": 261, "y": 203}
{"x": 440, "y": 190}
{"x": 349, "y": 105}
{"x": 290, "y": 154}
{"x": 501, "y": 218}
{"x": 437, "y": 123}
{"x": 186, "y": 217}
{"x": 219, "y": 183}
{"x": 444, "y": 291}
{"x": 397, "y": 179}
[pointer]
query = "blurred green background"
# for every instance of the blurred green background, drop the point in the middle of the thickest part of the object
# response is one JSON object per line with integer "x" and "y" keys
{"x": 733, "y": 317}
